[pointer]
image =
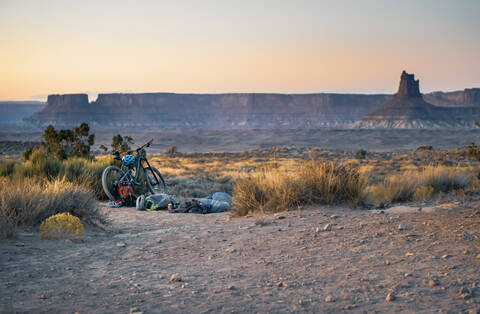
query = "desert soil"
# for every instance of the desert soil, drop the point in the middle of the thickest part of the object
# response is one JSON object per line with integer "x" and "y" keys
{"x": 379, "y": 140}
{"x": 277, "y": 263}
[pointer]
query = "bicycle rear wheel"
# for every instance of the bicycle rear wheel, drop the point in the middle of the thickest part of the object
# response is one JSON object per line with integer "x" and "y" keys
{"x": 110, "y": 177}
{"x": 156, "y": 184}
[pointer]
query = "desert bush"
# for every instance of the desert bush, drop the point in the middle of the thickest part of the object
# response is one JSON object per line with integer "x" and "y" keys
{"x": 66, "y": 143}
{"x": 61, "y": 226}
{"x": 29, "y": 201}
{"x": 310, "y": 183}
{"x": 423, "y": 193}
{"x": 172, "y": 151}
{"x": 121, "y": 143}
{"x": 360, "y": 154}
{"x": 80, "y": 171}
{"x": 445, "y": 179}
{"x": 396, "y": 188}
{"x": 86, "y": 173}
{"x": 431, "y": 179}
{"x": 7, "y": 168}
{"x": 39, "y": 165}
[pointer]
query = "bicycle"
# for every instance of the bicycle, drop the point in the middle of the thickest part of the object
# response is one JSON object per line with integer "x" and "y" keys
{"x": 133, "y": 173}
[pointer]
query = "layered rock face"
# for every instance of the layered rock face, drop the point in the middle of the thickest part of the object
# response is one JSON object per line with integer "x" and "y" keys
{"x": 408, "y": 109}
{"x": 469, "y": 97}
{"x": 208, "y": 111}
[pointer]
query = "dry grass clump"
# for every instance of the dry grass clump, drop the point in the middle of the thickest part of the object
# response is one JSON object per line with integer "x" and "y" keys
{"x": 28, "y": 202}
{"x": 310, "y": 183}
{"x": 83, "y": 172}
{"x": 420, "y": 185}
{"x": 60, "y": 227}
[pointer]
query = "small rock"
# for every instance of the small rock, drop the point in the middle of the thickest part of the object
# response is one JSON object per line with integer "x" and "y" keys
{"x": 230, "y": 250}
{"x": 408, "y": 254}
{"x": 465, "y": 293}
{"x": 43, "y": 297}
{"x": 465, "y": 296}
{"x": 121, "y": 244}
{"x": 329, "y": 299}
{"x": 282, "y": 285}
{"x": 281, "y": 217}
{"x": 230, "y": 287}
{"x": 478, "y": 256}
{"x": 401, "y": 227}
{"x": 432, "y": 283}
{"x": 19, "y": 244}
{"x": 407, "y": 275}
{"x": 317, "y": 230}
{"x": 333, "y": 217}
{"x": 387, "y": 262}
{"x": 327, "y": 227}
{"x": 175, "y": 278}
{"x": 445, "y": 256}
{"x": 390, "y": 297}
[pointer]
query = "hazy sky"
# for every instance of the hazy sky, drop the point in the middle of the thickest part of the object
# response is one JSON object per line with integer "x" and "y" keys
{"x": 235, "y": 46}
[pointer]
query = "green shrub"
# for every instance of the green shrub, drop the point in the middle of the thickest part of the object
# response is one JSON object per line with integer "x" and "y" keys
{"x": 7, "y": 168}
{"x": 360, "y": 154}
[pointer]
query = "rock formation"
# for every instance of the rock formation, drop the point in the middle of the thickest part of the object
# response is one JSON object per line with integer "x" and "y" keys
{"x": 469, "y": 97}
{"x": 408, "y": 109}
{"x": 208, "y": 111}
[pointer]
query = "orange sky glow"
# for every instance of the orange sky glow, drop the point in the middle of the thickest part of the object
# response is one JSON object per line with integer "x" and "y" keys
{"x": 235, "y": 46}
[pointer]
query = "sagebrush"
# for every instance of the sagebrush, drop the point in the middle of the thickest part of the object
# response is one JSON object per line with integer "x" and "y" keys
{"x": 28, "y": 202}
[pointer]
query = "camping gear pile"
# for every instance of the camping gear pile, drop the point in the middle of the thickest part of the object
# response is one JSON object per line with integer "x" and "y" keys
{"x": 216, "y": 202}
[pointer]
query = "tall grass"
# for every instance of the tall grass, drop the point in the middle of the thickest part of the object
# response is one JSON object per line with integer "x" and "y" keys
{"x": 29, "y": 201}
{"x": 81, "y": 172}
{"x": 310, "y": 183}
{"x": 421, "y": 184}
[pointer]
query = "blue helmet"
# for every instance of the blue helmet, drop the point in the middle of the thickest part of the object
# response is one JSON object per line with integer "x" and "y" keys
{"x": 128, "y": 160}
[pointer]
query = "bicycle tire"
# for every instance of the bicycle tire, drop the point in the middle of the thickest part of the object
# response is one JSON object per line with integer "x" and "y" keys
{"x": 161, "y": 187}
{"x": 108, "y": 177}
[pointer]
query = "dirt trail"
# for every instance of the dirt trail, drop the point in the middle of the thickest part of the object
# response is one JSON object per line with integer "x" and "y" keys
{"x": 279, "y": 263}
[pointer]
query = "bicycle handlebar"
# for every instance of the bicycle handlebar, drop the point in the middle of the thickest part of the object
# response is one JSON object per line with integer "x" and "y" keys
{"x": 147, "y": 144}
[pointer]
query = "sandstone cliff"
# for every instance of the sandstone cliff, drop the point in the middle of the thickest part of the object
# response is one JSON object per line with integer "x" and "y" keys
{"x": 469, "y": 97}
{"x": 209, "y": 111}
{"x": 408, "y": 109}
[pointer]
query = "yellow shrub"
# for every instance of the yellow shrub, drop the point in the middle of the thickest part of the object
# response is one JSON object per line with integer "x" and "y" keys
{"x": 61, "y": 226}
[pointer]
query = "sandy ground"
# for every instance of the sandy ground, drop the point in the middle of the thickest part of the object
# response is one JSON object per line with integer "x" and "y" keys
{"x": 277, "y": 263}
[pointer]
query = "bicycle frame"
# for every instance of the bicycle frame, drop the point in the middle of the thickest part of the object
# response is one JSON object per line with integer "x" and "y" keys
{"x": 127, "y": 177}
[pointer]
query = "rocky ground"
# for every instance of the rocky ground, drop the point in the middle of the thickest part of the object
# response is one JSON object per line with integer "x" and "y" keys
{"x": 326, "y": 259}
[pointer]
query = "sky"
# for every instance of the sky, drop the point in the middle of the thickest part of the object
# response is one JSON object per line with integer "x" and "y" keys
{"x": 217, "y": 46}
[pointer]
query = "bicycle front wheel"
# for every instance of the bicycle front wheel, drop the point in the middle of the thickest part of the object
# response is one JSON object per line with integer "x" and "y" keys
{"x": 110, "y": 177}
{"x": 155, "y": 183}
